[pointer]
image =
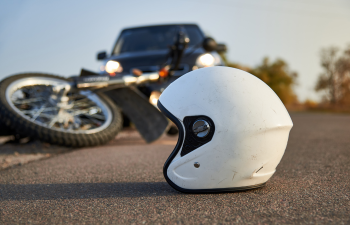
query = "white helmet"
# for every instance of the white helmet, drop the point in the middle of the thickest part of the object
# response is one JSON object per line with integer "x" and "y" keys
{"x": 233, "y": 131}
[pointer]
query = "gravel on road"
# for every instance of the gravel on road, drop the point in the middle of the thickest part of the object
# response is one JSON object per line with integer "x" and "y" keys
{"x": 122, "y": 183}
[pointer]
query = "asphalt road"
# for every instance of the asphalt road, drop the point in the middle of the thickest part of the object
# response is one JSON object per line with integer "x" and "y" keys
{"x": 123, "y": 183}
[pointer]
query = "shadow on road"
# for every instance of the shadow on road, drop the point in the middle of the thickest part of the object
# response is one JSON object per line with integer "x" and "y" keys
{"x": 12, "y": 153}
{"x": 83, "y": 190}
{"x": 32, "y": 147}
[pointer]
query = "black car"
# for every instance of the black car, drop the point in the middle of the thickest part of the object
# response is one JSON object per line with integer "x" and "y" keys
{"x": 147, "y": 50}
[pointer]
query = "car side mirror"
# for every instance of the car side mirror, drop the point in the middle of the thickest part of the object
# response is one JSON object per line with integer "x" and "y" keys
{"x": 221, "y": 48}
{"x": 101, "y": 55}
{"x": 209, "y": 44}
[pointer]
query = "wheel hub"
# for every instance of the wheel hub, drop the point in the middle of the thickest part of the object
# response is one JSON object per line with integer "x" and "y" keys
{"x": 64, "y": 117}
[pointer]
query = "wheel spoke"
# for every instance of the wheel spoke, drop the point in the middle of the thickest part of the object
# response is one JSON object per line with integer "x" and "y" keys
{"x": 38, "y": 112}
{"x": 25, "y": 101}
{"x": 83, "y": 104}
{"x": 83, "y": 111}
{"x": 93, "y": 119}
{"x": 48, "y": 116}
{"x": 97, "y": 116}
{"x": 53, "y": 121}
{"x": 44, "y": 110}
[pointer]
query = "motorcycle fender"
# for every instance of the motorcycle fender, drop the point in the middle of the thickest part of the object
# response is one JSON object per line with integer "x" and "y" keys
{"x": 148, "y": 120}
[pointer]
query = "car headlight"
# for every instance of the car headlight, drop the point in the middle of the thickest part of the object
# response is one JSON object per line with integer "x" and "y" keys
{"x": 208, "y": 59}
{"x": 113, "y": 67}
{"x": 205, "y": 60}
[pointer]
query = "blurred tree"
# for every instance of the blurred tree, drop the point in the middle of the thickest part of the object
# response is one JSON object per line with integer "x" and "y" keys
{"x": 278, "y": 76}
{"x": 275, "y": 74}
{"x": 334, "y": 81}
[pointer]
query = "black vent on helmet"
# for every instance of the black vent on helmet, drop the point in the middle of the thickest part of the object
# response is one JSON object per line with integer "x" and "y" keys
{"x": 193, "y": 142}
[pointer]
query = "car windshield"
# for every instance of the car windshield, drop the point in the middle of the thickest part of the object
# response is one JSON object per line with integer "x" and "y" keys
{"x": 154, "y": 38}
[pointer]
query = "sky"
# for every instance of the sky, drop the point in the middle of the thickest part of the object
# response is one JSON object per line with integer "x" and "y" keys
{"x": 61, "y": 37}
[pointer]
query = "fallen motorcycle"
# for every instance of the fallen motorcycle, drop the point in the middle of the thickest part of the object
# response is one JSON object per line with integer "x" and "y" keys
{"x": 86, "y": 110}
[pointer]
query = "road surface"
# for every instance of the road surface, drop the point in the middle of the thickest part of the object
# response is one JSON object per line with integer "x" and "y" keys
{"x": 122, "y": 183}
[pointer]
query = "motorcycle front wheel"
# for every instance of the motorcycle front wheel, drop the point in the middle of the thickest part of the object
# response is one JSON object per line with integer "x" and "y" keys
{"x": 31, "y": 106}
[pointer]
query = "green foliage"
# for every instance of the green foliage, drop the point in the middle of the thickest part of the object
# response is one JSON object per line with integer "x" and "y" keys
{"x": 275, "y": 74}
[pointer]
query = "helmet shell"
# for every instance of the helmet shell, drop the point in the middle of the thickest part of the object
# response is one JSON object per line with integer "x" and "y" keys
{"x": 251, "y": 129}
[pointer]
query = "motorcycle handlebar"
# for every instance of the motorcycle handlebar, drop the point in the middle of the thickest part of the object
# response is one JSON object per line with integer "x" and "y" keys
{"x": 105, "y": 81}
